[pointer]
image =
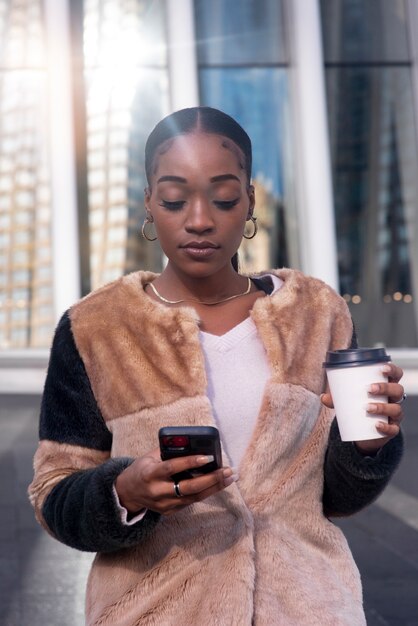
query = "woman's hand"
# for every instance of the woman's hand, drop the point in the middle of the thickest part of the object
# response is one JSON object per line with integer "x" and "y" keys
{"x": 147, "y": 483}
{"x": 391, "y": 409}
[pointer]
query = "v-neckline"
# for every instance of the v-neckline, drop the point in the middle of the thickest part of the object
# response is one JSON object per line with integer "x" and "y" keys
{"x": 246, "y": 326}
{"x": 231, "y": 338}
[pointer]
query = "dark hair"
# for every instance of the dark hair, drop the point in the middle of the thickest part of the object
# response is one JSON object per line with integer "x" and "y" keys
{"x": 204, "y": 119}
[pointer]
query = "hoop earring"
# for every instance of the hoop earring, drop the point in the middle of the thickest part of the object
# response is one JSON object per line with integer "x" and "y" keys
{"x": 254, "y": 221}
{"x": 147, "y": 220}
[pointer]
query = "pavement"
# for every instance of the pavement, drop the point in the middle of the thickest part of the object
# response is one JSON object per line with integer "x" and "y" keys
{"x": 42, "y": 582}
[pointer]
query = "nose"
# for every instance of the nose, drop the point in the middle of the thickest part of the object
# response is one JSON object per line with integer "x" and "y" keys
{"x": 199, "y": 217}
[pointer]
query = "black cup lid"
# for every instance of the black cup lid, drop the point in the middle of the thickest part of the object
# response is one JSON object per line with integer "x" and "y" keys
{"x": 355, "y": 357}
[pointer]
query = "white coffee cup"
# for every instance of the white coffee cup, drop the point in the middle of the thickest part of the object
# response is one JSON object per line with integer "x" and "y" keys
{"x": 350, "y": 374}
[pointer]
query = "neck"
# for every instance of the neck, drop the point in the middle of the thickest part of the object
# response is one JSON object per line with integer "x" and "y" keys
{"x": 176, "y": 285}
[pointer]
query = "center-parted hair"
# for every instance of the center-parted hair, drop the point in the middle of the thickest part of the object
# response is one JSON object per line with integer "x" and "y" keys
{"x": 195, "y": 119}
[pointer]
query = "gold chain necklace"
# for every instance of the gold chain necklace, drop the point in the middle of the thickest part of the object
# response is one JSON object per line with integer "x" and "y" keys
{"x": 238, "y": 295}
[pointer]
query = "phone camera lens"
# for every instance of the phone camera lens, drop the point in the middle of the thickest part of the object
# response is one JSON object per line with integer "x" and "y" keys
{"x": 175, "y": 441}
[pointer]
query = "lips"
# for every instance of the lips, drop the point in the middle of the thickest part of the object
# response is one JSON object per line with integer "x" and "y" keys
{"x": 199, "y": 245}
{"x": 200, "y": 249}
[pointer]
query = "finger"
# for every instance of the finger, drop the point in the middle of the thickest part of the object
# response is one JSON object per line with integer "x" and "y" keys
{"x": 394, "y": 391}
{"x": 181, "y": 464}
{"x": 185, "y": 501}
{"x": 197, "y": 489}
{"x": 225, "y": 479}
{"x": 392, "y": 411}
{"x": 389, "y": 430}
{"x": 326, "y": 400}
{"x": 393, "y": 372}
{"x": 200, "y": 484}
{"x": 156, "y": 486}
{"x": 202, "y": 495}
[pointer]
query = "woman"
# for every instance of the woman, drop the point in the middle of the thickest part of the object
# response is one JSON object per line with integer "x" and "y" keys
{"x": 200, "y": 344}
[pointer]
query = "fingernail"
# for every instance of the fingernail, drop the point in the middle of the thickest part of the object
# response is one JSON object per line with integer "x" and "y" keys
{"x": 371, "y": 408}
{"x": 374, "y": 388}
{"x": 227, "y": 472}
{"x": 386, "y": 368}
{"x": 202, "y": 460}
{"x": 230, "y": 480}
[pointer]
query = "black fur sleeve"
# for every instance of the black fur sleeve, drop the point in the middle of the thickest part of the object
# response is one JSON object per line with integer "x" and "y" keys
{"x": 81, "y": 510}
{"x": 353, "y": 481}
{"x": 69, "y": 412}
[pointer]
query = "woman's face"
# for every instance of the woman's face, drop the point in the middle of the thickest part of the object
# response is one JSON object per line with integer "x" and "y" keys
{"x": 199, "y": 199}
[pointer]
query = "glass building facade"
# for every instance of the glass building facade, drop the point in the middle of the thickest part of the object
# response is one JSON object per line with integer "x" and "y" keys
{"x": 126, "y": 93}
{"x": 243, "y": 65}
{"x": 121, "y": 77}
{"x": 26, "y": 295}
{"x": 372, "y": 120}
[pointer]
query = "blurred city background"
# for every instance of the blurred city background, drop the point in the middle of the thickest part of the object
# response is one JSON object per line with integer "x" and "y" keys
{"x": 327, "y": 90}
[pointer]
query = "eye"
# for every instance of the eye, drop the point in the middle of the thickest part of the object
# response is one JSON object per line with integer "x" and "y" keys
{"x": 226, "y": 204}
{"x": 172, "y": 206}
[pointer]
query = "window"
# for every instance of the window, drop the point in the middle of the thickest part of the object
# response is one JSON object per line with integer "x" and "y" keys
{"x": 242, "y": 56}
{"x": 24, "y": 184}
{"x": 374, "y": 159}
{"x": 126, "y": 86}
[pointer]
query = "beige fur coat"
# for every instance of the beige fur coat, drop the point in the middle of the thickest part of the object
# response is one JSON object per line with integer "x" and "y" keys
{"x": 261, "y": 552}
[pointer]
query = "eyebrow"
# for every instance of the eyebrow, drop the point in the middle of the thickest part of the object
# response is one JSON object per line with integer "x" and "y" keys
{"x": 214, "y": 179}
{"x": 221, "y": 177}
{"x": 172, "y": 179}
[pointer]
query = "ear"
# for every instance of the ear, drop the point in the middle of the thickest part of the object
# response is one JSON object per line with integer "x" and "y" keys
{"x": 251, "y": 197}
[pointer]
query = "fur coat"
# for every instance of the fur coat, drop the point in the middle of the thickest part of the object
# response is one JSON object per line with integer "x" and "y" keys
{"x": 262, "y": 551}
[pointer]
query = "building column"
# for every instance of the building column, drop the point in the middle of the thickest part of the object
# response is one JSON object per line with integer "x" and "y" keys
{"x": 182, "y": 62}
{"x": 312, "y": 153}
{"x": 64, "y": 231}
{"x": 412, "y": 24}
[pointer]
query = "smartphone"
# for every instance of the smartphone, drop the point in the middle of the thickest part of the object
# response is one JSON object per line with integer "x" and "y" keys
{"x": 176, "y": 441}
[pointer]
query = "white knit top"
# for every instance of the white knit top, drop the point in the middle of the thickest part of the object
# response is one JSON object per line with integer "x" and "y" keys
{"x": 237, "y": 371}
